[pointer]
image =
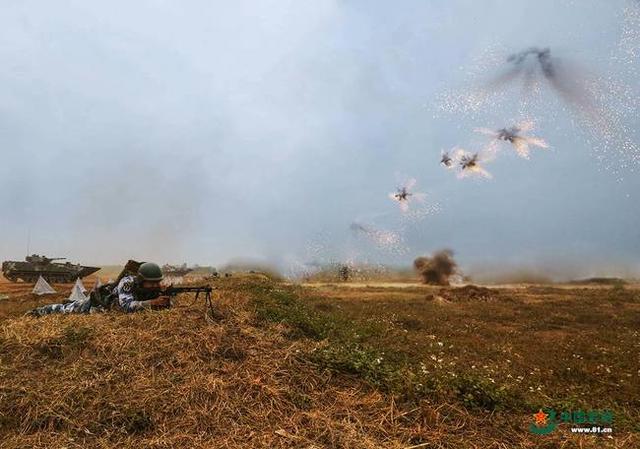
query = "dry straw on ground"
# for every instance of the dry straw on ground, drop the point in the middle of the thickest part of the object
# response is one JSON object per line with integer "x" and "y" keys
{"x": 173, "y": 379}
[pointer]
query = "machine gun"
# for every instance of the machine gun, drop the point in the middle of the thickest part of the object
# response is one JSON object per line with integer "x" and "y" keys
{"x": 105, "y": 297}
{"x": 206, "y": 290}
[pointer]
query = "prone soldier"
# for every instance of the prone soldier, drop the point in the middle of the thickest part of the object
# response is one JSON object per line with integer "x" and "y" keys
{"x": 131, "y": 292}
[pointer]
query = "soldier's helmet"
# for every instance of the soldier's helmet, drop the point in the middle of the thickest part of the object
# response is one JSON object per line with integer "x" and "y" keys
{"x": 150, "y": 271}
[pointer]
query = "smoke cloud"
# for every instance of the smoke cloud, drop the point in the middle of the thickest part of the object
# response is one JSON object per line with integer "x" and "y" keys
{"x": 209, "y": 131}
{"x": 436, "y": 269}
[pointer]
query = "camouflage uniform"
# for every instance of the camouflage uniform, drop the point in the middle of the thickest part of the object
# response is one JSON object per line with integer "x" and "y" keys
{"x": 130, "y": 295}
{"x": 79, "y": 306}
{"x": 127, "y": 295}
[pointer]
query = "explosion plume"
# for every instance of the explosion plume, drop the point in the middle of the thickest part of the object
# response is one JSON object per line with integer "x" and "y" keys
{"x": 446, "y": 160}
{"x": 384, "y": 239}
{"x": 516, "y": 136}
{"x": 470, "y": 164}
{"x": 436, "y": 269}
{"x": 533, "y": 64}
{"x": 404, "y": 195}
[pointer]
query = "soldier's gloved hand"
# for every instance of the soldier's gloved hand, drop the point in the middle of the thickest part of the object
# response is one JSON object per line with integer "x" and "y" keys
{"x": 159, "y": 303}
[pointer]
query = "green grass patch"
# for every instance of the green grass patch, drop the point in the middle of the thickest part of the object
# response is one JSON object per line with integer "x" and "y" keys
{"x": 346, "y": 348}
{"x": 372, "y": 365}
{"x": 479, "y": 392}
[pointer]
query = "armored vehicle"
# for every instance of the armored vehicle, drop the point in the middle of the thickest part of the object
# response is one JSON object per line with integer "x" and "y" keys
{"x": 177, "y": 271}
{"x": 35, "y": 266}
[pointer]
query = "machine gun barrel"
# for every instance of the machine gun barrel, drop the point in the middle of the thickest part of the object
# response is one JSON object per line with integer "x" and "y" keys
{"x": 172, "y": 291}
{"x": 206, "y": 290}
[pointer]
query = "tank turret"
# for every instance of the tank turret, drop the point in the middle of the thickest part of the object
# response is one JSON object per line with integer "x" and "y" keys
{"x": 36, "y": 258}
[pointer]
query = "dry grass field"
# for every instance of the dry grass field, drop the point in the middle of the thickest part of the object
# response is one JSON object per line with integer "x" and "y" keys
{"x": 324, "y": 366}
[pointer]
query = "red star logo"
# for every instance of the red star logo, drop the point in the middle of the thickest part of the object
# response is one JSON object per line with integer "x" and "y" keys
{"x": 541, "y": 418}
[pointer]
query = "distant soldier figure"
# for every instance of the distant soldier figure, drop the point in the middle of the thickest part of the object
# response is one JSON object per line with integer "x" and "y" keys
{"x": 344, "y": 272}
{"x": 131, "y": 293}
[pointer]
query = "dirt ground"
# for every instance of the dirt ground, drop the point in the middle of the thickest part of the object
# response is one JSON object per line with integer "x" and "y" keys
{"x": 517, "y": 347}
{"x": 561, "y": 345}
{"x": 17, "y": 296}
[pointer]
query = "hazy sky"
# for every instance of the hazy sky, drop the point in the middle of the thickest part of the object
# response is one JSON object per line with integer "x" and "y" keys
{"x": 204, "y": 131}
